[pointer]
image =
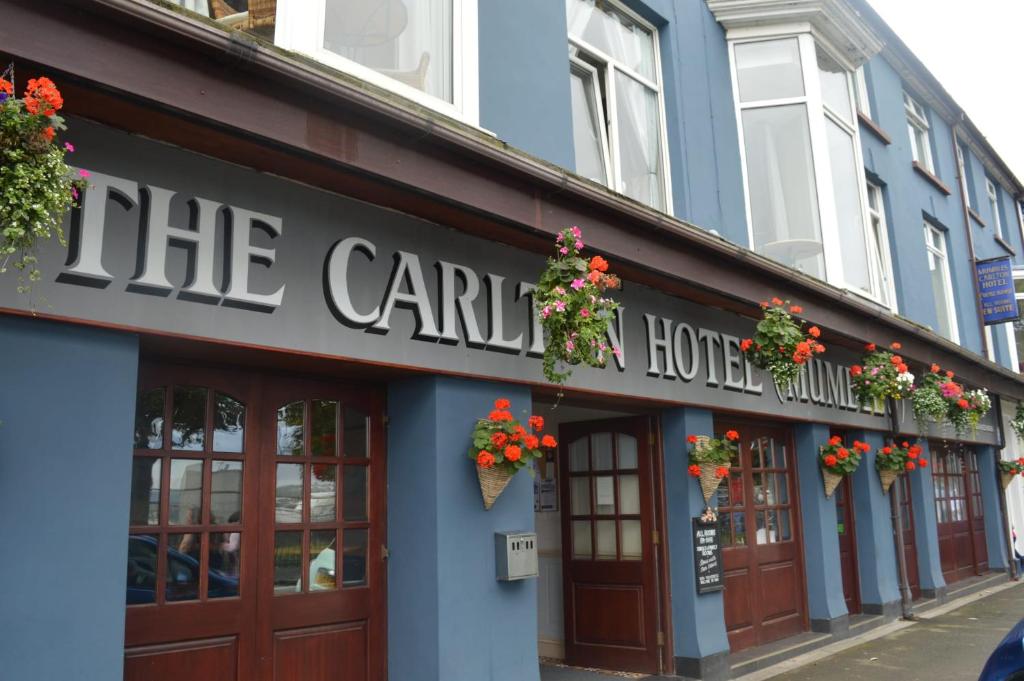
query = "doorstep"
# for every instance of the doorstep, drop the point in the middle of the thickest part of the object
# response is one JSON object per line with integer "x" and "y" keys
{"x": 964, "y": 587}
{"x": 555, "y": 671}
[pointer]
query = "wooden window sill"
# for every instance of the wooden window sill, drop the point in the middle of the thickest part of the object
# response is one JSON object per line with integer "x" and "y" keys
{"x": 875, "y": 129}
{"x": 1007, "y": 247}
{"x": 939, "y": 184}
{"x": 974, "y": 215}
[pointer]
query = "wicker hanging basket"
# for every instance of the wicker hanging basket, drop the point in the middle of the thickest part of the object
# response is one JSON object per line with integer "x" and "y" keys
{"x": 493, "y": 482}
{"x": 1006, "y": 478}
{"x": 887, "y": 477}
{"x": 832, "y": 481}
{"x": 709, "y": 480}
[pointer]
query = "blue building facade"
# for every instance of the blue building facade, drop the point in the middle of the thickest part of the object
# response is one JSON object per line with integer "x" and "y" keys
{"x": 299, "y": 502}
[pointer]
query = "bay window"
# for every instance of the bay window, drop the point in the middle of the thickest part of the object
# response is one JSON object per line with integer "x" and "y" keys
{"x": 617, "y": 104}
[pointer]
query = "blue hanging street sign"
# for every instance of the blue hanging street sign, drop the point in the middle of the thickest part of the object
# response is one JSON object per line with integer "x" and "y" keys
{"x": 995, "y": 286}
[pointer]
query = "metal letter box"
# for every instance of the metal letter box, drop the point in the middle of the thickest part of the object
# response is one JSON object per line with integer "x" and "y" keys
{"x": 515, "y": 555}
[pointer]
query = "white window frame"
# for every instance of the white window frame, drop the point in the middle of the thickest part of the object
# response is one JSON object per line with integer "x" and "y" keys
{"x": 941, "y": 253}
{"x": 917, "y": 125}
{"x": 993, "y": 202}
{"x": 861, "y": 91}
{"x": 883, "y": 245}
{"x": 817, "y": 111}
{"x": 576, "y": 64}
{"x": 300, "y": 28}
{"x": 1011, "y": 335}
{"x": 614, "y": 170}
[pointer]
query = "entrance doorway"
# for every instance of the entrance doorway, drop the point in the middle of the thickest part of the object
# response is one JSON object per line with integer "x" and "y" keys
{"x": 847, "y": 545}
{"x": 609, "y": 561}
{"x": 909, "y": 537}
{"x": 257, "y": 516}
{"x": 765, "y": 598}
{"x": 961, "y": 520}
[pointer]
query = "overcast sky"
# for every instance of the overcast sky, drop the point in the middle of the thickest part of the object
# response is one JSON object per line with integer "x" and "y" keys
{"x": 976, "y": 50}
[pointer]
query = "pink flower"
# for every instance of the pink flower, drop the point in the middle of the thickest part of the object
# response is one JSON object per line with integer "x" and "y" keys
{"x": 602, "y": 347}
{"x": 560, "y": 305}
{"x": 874, "y": 371}
{"x": 577, "y": 284}
{"x": 584, "y": 313}
{"x": 74, "y": 193}
{"x": 616, "y": 351}
{"x": 559, "y": 238}
{"x": 579, "y": 245}
{"x": 563, "y": 250}
{"x": 546, "y": 312}
{"x": 576, "y": 232}
{"x": 559, "y": 290}
{"x": 68, "y": 146}
{"x": 569, "y": 345}
{"x": 83, "y": 173}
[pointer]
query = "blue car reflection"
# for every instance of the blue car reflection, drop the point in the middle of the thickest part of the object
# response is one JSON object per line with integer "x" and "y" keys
{"x": 182, "y": 576}
{"x": 1007, "y": 661}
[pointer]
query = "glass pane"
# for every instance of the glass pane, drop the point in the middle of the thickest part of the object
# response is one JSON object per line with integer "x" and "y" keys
{"x": 783, "y": 194}
{"x": 587, "y": 132}
{"x": 606, "y": 542}
{"x": 581, "y": 544}
{"x": 627, "y": 452}
{"x": 149, "y": 419}
{"x": 354, "y": 494}
{"x": 781, "y": 487}
{"x": 323, "y": 440}
{"x": 186, "y": 492}
{"x": 323, "y": 493}
{"x": 846, "y": 179}
{"x": 225, "y": 559}
{"x": 288, "y": 501}
{"x": 183, "y": 552}
{"x": 725, "y": 529}
{"x": 784, "y": 529}
{"x": 739, "y": 522}
{"x": 604, "y": 495}
{"x": 145, "y": 504}
{"x": 762, "y": 527}
{"x": 579, "y": 455}
{"x": 599, "y": 24}
{"x": 601, "y": 444}
{"x": 322, "y": 567}
{"x": 287, "y": 562}
{"x": 579, "y": 495}
{"x": 639, "y": 131}
{"x": 353, "y": 567}
{"x": 226, "y": 492}
{"x": 409, "y": 41}
{"x": 632, "y": 546}
{"x": 189, "y": 418}
{"x": 141, "y": 583}
{"x": 835, "y": 86}
{"x": 629, "y": 495}
{"x": 289, "y": 429}
{"x": 757, "y": 455}
{"x": 769, "y": 70}
{"x": 228, "y": 424}
{"x": 356, "y": 430}
{"x": 723, "y": 498}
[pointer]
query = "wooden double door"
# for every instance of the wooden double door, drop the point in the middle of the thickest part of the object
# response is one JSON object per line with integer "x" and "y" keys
{"x": 958, "y": 505}
{"x": 609, "y": 560}
{"x": 256, "y": 526}
{"x": 762, "y": 551}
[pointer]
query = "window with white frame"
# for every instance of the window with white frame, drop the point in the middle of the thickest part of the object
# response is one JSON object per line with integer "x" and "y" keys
{"x": 917, "y": 126}
{"x": 878, "y": 245}
{"x": 860, "y": 91}
{"x": 425, "y": 50}
{"x": 617, "y": 103}
{"x": 806, "y": 199}
{"x": 941, "y": 281}
{"x": 993, "y": 202}
{"x": 1017, "y": 326}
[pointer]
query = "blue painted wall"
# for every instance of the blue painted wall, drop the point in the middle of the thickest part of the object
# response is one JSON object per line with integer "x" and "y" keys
{"x": 67, "y": 409}
{"x": 991, "y": 491}
{"x": 926, "y": 525}
{"x": 449, "y": 619}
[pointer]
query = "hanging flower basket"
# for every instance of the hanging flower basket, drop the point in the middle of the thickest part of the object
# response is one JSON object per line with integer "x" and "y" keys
{"x": 574, "y": 310}
{"x": 710, "y": 459}
{"x": 929, "y": 397}
{"x": 884, "y": 374}
{"x": 502, "y": 447}
{"x": 1017, "y": 422}
{"x": 1008, "y": 470}
{"x": 893, "y": 460}
{"x": 36, "y": 185}
{"x": 779, "y": 345}
{"x": 838, "y": 461}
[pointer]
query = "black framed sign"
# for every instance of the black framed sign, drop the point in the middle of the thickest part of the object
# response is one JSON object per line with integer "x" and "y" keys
{"x": 707, "y": 556}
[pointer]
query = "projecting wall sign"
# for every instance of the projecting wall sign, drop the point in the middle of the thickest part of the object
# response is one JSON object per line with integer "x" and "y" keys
{"x": 173, "y": 241}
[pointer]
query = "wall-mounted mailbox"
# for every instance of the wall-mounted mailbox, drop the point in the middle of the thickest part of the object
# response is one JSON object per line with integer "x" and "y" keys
{"x": 515, "y": 555}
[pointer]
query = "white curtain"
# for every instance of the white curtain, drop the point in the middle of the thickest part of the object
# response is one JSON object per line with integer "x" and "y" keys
{"x": 639, "y": 141}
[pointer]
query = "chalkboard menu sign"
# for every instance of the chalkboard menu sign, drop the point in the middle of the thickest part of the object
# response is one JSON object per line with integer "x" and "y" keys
{"x": 707, "y": 556}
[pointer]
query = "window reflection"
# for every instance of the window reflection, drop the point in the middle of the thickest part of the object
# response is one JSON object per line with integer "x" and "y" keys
{"x": 228, "y": 425}
{"x": 226, "y": 492}
{"x": 189, "y": 418}
{"x": 149, "y": 419}
{"x": 186, "y": 492}
{"x": 145, "y": 501}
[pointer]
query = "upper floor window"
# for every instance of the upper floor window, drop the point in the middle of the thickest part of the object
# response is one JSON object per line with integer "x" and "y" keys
{"x": 917, "y": 126}
{"x": 617, "y": 102}
{"x": 992, "y": 191}
{"x": 425, "y": 50}
{"x": 860, "y": 91}
{"x": 806, "y": 197}
{"x": 941, "y": 281}
{"x": 878, "y": 245}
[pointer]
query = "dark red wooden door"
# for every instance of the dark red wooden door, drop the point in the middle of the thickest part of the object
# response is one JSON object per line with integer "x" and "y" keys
{"x": 952, "y": 505}
{"x": 608, "y": 555}
{"x": 977, "y": 512}
{"x": 909, "y": 537}
{"x": 847, "y": 545}
{"x": 765, "y": 598}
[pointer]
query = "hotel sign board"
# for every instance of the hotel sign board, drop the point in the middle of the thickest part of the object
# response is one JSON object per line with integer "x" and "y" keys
{"x": 174, "y": 242}
{"x": 996, "y": 290}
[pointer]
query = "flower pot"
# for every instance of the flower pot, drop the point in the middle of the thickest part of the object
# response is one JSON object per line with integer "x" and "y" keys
{"x": 493, "y": 482}
{"x": 1006, "y": 478}
{"x": 832, "y": 481}
{"x": 887, "y": 477}
{"x": 709, "y": 480}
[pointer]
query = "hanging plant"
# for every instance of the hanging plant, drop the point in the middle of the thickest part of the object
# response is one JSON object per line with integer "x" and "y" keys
{"x": 1008, "y": 470}
{"x": 968, "y": 409}
{"x": 710, "y": 459}
{"x": 779, "y": 345}
{"x": 36, "y": 185}
{"x": 929, "y": 397}
{"x": 574, "y": 311}
{"x": 893, "y": 460}
{"x": 1017, "y": 422}
{"x": 502, "y": 447}
{"x": 837, "y": 461}
{"x": 884, "y": 374}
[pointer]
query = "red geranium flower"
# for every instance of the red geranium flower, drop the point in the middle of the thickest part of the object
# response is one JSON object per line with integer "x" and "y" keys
{"x": 856, "y": 370}
{"x": 499, "y": 440}
{"x": 548, "y": 441}
{"x": 962, "y": 403}
{"x": 776, "y": 301}
{"x": 598, "y": 264}
{"x": 835, "y": 440}
{"x": 814, "y": 331}
{"x": 886, "y": 450}
{"x": 935, "y": 368}
{"x": 796, "y": 309}
{"x": 910, "y": 466}
{"x": 484, "y": 459}
{"x": 950, "y": 374}
{"x": 843, "y": 453}
{"x": 896, "y": 345}
{"x": 870, "y": 347}
{"x": 512, "y": 453}
{"x": 692, "y": 439}
{"x": 694, "y": 470}
{"x": 537, "y": 423}
{"x": 531, "y": 441}
{"x": 721, "y": 471}
{"x": 502, "y": 403}
{"x": 745, "y": 344}
{"x": 830, "y": 460}
{"x": 732, "y": 435}
{"x": 923, "y": 463}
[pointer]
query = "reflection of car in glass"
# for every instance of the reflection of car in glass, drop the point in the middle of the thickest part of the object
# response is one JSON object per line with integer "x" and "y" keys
{"x": 182, "y": 574}
{"x": 1007, "y": 661}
